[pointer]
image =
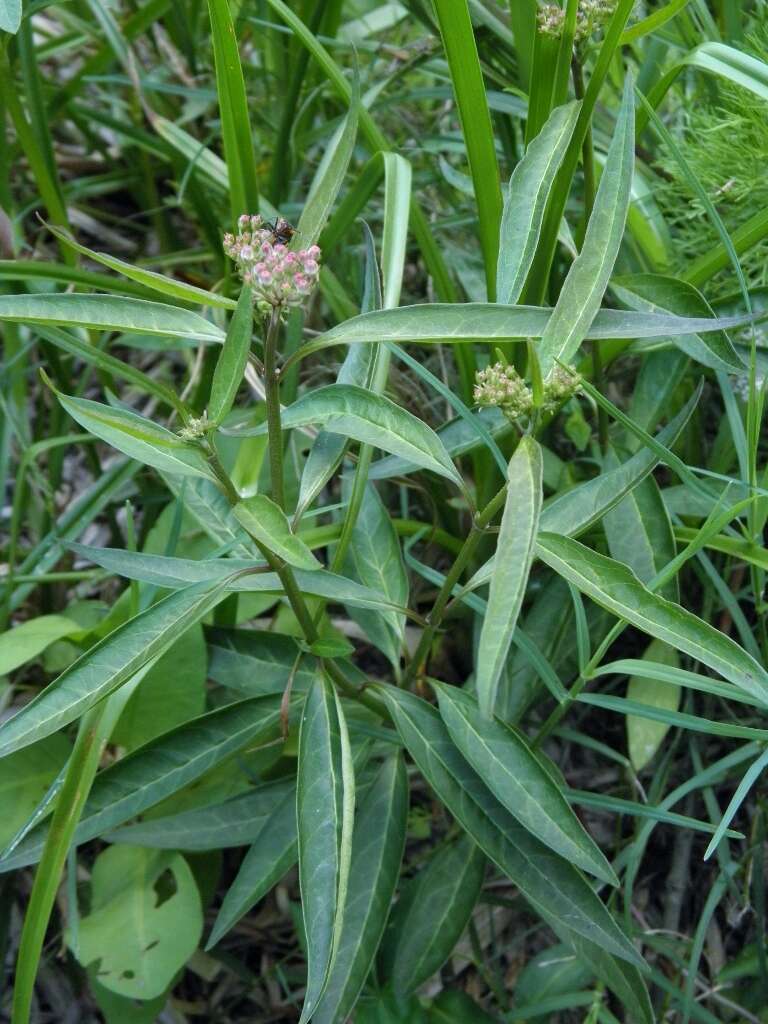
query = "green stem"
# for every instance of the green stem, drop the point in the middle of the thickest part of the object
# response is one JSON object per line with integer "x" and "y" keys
{"x": 274, "y": 427}
{"x": 479, "y": 525}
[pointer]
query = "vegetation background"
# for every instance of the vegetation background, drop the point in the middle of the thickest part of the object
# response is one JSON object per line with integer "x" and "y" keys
{"x": 394, "y": 653}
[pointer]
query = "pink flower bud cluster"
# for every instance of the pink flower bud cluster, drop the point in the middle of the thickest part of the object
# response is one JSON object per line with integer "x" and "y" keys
{"x": 277, "y": 276}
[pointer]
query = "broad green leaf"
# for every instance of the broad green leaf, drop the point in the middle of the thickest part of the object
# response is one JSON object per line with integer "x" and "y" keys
{"x": 617, "y": 589}
{"x": 236, "y": 822}
{"x": 137, "y": 437}
{"x": 323, "y": 800}
{"x": 654, "y": 293}
{"x": 230, "y": 367}
{"x": 108, "y": 313}
{"x": 550, "y": 883}
{"x": 377, "y": 848}
{"x": 109, "y": 664}
{"x": 526, "y": 200}
{"x": 267, "y": 523}
{"x": 24, "y": 780}
{"x": 204, "y": 500}
{"x": 519, "y": 781}
{"x": 643, "y": 736}
{"x": 467, "y": 322}
{"x": 254, "y": 661}
{"x": 137, "y": 942}
{"x": 273, "y": 853}
{"x": 171, "y": 692}
{"x": 29, "y": 639}
{"x": 639, "y": 532}
{"x": 660, "y": 376}
{"x": 374, "y": 559}
{"x": 162, "y": 767}
{"x": 514, "y": 555}
{"x": 227, "y": 573}
{"x": 10, "y": 16}
{"x": 576, "y": 510}
{"x": 432, "y": 914}
{"x": 372, "y": 419}
{"x": 588, "y": 277}
{"x": 157, "y": 282}
{"x": 551, "y": 972}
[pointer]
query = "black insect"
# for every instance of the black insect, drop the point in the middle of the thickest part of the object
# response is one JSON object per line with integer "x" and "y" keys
{"x": 282, "y": 231}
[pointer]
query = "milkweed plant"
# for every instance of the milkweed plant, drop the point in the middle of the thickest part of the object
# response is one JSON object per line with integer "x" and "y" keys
{"x": 383, "y": 583}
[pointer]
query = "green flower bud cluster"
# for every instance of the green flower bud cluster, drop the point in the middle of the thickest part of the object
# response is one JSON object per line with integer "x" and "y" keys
{"x": 197, "y": 427}
{"x": 502, "y": 386}
{"x": 590, "y": 18}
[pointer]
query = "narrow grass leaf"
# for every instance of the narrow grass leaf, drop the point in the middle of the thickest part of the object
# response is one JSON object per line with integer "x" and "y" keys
{"x": 752, "y": 774}
{"x": 514, "y": 555}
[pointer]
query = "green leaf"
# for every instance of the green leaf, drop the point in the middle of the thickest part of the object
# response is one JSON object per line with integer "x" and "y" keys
{"x": 467, "y": 322}
{"x": 519, "y": 781}
{"x": 455, "y": 24}
{"x": 137, "y": 437}
{"x": 235, "y": 822}
{"x": 266, "y": 521}
{"x": 329, "y": 177}
{"x": 526, "y": 201}
{"x": 227, "y": 572}
{"x": 29, "y": 639}
{"x": 617, "y": 589}
{"x": 233, "y": 358}
{"x": 254, "y": 661}
{"x": 550, "y": 883}
{"x": 162, "y": 767}
{"x": 171, "y": 692}
{"x": 26, "y": 776}
{"x": 10, "y": 16}
{"x": 135, "y": 938}
{"x": 377, "y": 849}
{"x": 108, "y": 313}
{"x": 324, "y": 806}
{"x": 514, "y": 555}
{"x": 372, "y": 419}
{"x": 374, "y": 559}
{"x": 643, "y": 736}
{"x": 157, "y": 282}
{"x": 236, "y": 132}
{"x": 590, "y": 272}
{"x": 107, "y": 665}
{"x": 432, "y": 914}
{"x": 273, "y": 853}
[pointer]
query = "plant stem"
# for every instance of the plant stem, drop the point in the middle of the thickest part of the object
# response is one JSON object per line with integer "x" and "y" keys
{"x": 479, "y": 524}
{"x": 274, "y": 428}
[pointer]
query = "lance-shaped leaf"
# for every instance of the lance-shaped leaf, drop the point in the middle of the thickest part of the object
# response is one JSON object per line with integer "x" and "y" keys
{"x": 138, "y": 437}
{"x": 324, "y": 808}
{"x": 432, "y": 914}
{"x": 109, "y": 664}
{"x": 267, "y": 523}
{"x": 162, "y": 767}
{"x": 233, "y": 357}
{"x": 164, "y": 571}
{"x": 588, "y": 277}
{"x": 109, "y": 313}
{"x": 543, "y": 877}
{"x": 372, "y": 419}
{"x": 526, "y": 201}
{"x": 377, "y": 849}
{"x": 514, "y": 554}
{"x": 236, "y": 822}
{"x": 616, "y": 588}
{"x": 644, "y": 737}
{"x": 517, "y": 778}
{"x": 274, "y": 852}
